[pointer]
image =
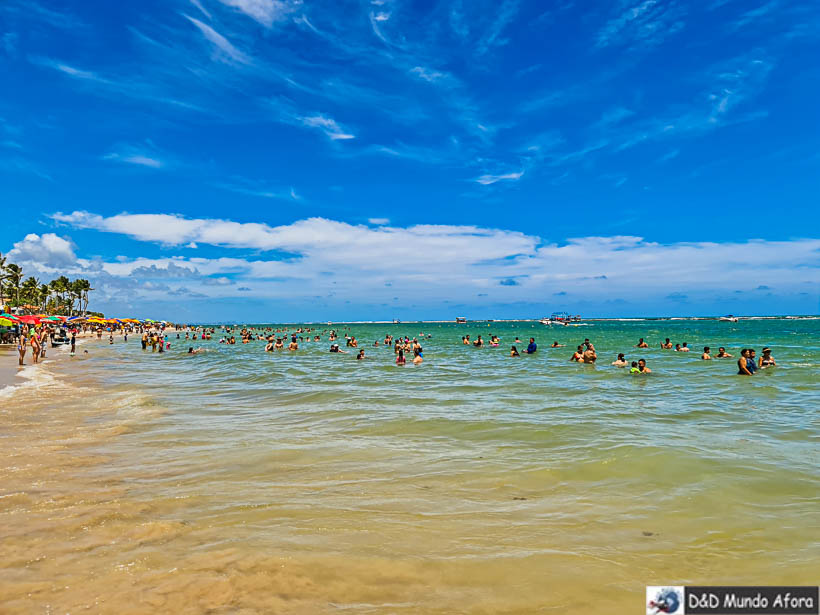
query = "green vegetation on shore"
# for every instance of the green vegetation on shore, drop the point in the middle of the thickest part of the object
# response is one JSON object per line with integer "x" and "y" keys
{"x": 60, "y": 296}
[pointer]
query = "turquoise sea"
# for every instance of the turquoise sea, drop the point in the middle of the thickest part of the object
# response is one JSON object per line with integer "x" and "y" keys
{"x": 239, "y": 481}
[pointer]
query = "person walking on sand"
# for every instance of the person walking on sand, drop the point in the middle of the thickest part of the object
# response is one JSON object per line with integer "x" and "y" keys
{"x": 73, "y": 342}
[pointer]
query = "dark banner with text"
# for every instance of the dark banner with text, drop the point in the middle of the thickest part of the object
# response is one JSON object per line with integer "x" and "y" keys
{"x": 743, "y": 600}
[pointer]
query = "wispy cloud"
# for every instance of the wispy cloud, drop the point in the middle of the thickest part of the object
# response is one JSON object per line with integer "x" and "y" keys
{"x": 223, "y": 47}
{"x": 755, "y": 14}
{"x": 486, "y": 180}
{"x": 645, "y": 24}
{"x": 327, "y": 125}
{"x": 134, "y": 155}
{"x": 266, "y": 12}
{"x": 137, "y": 159}
{"x": 426, "y": 73}
{"x": 241, "y": 185}
{"x": 492, "y": 38}
{"x": 201, "y": 8}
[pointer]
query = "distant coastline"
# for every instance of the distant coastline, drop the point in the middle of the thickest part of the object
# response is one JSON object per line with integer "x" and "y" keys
{"x": 486, "y": 320}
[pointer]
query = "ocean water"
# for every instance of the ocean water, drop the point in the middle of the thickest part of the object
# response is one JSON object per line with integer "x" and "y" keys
{"x": 239, "y": 481}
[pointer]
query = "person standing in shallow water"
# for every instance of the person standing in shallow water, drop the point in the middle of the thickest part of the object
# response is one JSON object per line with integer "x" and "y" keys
{"x": 21, "y": 344}
{"x": 743, "y": 364}
{"x": 532, "y": 347}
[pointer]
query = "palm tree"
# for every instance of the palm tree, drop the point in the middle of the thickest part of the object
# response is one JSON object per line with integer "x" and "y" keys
{"x": 60, "y": 287}
{"x": 44, "y": 294}
{"x": 83, "y": 287}
{"x": 2, "y": 279}
{"x": 30, "y": 290}
{"x": 77, "y": 290}
{"x": 14, "y": 274}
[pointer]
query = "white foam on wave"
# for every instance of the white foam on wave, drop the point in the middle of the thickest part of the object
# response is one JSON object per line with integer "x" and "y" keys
{"x": 33, "y": 376}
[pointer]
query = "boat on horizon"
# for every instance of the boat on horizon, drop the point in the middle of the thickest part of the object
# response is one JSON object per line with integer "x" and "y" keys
{"x": 728, "y": 318}
{"x": 560, "y": 318}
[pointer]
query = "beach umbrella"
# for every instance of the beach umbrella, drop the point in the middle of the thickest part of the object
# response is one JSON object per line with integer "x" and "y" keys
{"x": 53, "y": 319}
{"x": 11, "y": 317}
{"x": 30, "y": 320}
{"x": 5, "y": 322}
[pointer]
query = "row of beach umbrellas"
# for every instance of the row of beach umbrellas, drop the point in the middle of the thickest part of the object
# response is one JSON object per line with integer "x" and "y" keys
{"x": 9, "y": 320}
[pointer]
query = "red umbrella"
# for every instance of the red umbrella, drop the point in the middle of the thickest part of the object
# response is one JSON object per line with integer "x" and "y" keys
{"x": 29, "y": 320}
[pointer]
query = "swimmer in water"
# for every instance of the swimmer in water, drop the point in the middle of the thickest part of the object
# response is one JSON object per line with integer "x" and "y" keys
{"x": 751, "y": 363}
{"x": 532, "y": 347}
{"x": 400, "y": 360}
{"x": 706, "y": 356}
{"x": 642, "y": 368}
{"x": 684, "y": 348}
{"x": 641, "y": 344}
{"x": 743, "y": 364}
{"x": 417, "y": 358}
{"x": 514, "y": 352}
{"x": 590, "y": 356}
{"x": 722, "y": 354}
{"x": 620, "y": 361}
{"x": 360, "y": 356}
{"x": 766, "y": 360}
{"x": 634, "y": 369}
{"x": 557, "y": 345}
{"x": 667, "y": 345}
{"x": 578, "y": 355}
{"x": 269, "y": 347}
{"x": 479, "y": 342}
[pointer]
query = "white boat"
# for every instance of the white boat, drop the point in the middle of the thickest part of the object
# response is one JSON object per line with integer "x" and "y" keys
{"x": 728, "y": 318}
{"x": 461, "y": 320}
{"x": 560, "y": 318}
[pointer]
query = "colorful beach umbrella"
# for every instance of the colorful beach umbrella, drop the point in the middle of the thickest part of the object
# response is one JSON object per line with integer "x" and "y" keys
{"x": 5, "y": 322}
{"x": 11, "y": 317}
{"x": 30, "y": 320}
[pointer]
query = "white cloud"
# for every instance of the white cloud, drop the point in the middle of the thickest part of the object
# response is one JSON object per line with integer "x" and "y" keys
{"x": 202, "y": 9}
{"x": 132, "y": 157}
{"x": 644, "y": 24}
{"x": 422, "y": 264}
{"x": 222, "y": 44}
{"x": 486, "y": 180}
{"x": 47, "y": 250}
{"x": 265, "y": 12}
{"x": 426, "y": 73}
{"x": 326, "y": 125}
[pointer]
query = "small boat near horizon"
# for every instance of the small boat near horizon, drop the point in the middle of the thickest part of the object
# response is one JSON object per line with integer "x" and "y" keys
{"x": 728, "y": 318}
{"x": 461, "y": 320}
{"x": 560, "y": 318}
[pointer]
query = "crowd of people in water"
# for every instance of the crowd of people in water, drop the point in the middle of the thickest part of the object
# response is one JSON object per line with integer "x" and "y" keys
{"x": 159, "y": 338}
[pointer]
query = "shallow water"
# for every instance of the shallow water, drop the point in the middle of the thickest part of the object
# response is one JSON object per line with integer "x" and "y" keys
{"x": 240, "y": 481}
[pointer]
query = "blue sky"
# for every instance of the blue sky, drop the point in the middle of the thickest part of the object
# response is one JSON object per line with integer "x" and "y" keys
{"x": 286, "y": 160}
